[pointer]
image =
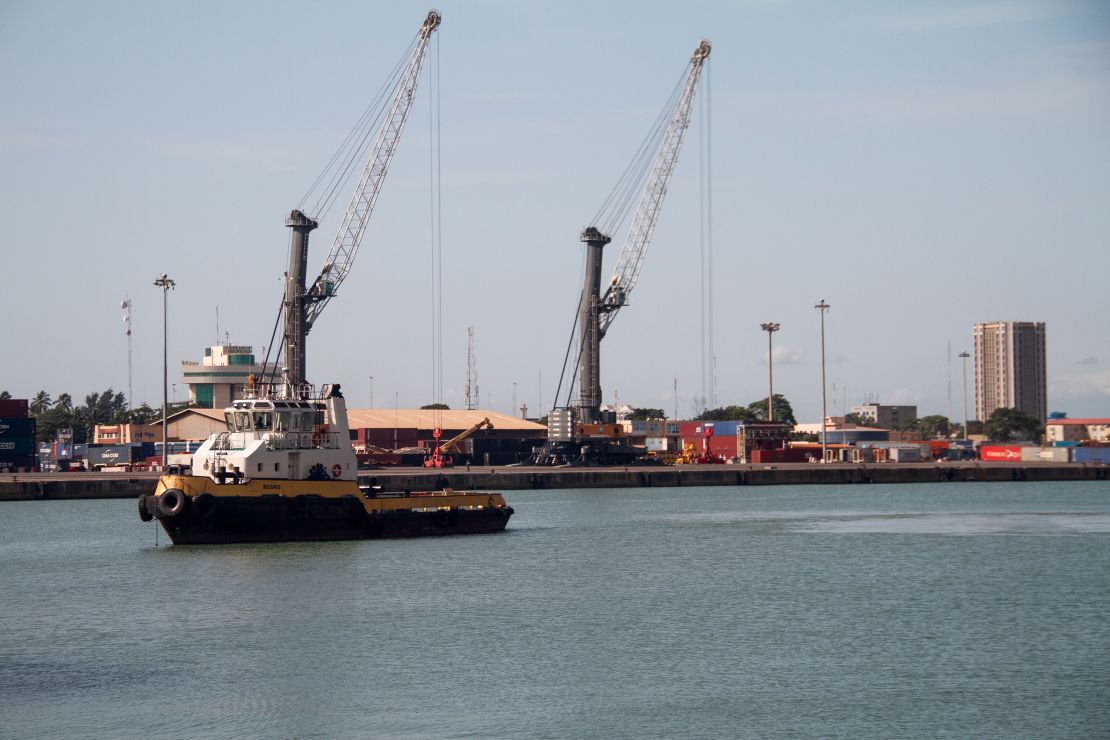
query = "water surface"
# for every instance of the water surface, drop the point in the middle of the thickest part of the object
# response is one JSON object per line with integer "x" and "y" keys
{"x": 928, "y": 610}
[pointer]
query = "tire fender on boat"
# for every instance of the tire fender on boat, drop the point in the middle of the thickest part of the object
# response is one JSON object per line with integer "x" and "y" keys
{"x": 204, "y": 505}
{"x": 169, "y": 503}
{"x": 144, "y": 512}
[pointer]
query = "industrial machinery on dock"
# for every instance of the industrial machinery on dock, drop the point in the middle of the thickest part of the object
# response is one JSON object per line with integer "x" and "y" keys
{"x": 577, "y": 431}
{"x": 285, "y": 468}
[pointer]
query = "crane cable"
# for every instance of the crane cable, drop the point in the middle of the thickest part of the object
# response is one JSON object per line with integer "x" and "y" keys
{"x": 435, "y": 185}
{"x": 352, "y": 151}
{"x": 705, "y": 217}
{"x": 618, "y": 204}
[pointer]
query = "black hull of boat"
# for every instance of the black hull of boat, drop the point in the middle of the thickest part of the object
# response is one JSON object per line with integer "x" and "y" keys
{"x": 243, "y": 519}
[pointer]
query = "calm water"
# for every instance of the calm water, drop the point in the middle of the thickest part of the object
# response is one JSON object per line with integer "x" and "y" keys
{"x": 856, "y": 611}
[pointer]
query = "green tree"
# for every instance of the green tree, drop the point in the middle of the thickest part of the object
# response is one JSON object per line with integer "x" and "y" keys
{"x": 4, "y": 395}
{"x": 40, "y": 403}
{"x": 436, "y": 407}
{"x": 645, "y": 414}
{"x": 932, "y": 427}
{"x": 145, "y": 414}
{"x": 858, "y": 419}
{"x": 779, "y": 405}
{"x": 1008, "y": 424}
{"x": 726, "y": 413}
{"x": 64, "y": 402}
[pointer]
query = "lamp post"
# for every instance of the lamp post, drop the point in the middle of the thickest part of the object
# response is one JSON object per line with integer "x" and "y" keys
{"x": 770, "y": 327}
{"x": 166, "y": 284}
{"x": 823, "y": 307}
{"x": 963, "y": 356}
{"x": 371, "y": 391}
{"x": 125, "y": 304}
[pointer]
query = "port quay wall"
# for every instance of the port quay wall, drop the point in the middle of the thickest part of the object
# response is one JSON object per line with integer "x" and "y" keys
{"x": 108, "y": 485}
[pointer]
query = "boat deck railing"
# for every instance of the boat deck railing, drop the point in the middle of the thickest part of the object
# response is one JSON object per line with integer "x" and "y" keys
{"x": 284, "y": 441}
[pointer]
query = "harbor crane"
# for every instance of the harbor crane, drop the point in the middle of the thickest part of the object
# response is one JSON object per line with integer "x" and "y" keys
{"x": 577, "y": 432}
{"x": 302, "y": 305}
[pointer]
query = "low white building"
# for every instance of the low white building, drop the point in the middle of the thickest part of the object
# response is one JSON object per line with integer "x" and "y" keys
{"x": 1077, "y": 430}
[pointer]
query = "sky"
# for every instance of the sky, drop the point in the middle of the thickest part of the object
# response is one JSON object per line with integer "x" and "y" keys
{"x": 919, "y": 166}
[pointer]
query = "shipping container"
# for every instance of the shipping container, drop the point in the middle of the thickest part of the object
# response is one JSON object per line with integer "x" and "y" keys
{"x": 789, "y": 454}
{"x": 1000, "y": 453}
{"x": 905, "y": 454}
{"x": 18, "y": 463}
{"x": 655, "y": 444}
{"x": 724, "y": 428}
{"x": 689, "y": 428}
{"x": 17, "y": 426}
{"x": 21, "y": 446}
{"x": 13, "y": 407}
{"x": 1091, "y": 455}
{"x": 106, "y": 456}
{"x": 1045, "y": 454}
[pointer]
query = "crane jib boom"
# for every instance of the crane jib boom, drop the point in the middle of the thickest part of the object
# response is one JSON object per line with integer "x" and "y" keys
{"x": 596, "y": 310}
{"x": 302, "y": 307}
{"x": 651, "y": 201}
{"x": 349, "y": 235}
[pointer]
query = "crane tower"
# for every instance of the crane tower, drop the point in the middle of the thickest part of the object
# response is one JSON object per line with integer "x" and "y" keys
{"x": 596, "y": 310}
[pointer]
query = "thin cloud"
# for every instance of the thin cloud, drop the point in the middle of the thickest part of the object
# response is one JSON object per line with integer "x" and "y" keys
{"x": 782, "y": 354}
{"x": 961, "y": 18}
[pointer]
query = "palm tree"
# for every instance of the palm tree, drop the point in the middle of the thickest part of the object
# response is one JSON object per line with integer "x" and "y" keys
{"x": 4, "y": 395}
{"x": 64, "y": 402}
{"x": 40, "y": 404}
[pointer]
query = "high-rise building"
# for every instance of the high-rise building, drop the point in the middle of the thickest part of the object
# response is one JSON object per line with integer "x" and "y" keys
{"x": 1010, "y": 368}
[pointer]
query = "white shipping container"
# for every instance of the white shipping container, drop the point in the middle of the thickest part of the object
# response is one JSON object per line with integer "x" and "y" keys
{"x": 655, "y": 444}
{"x": 905, "y": 454}
{"x": 1045, "y": 454}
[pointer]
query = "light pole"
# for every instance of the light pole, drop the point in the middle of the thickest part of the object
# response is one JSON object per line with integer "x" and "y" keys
{"x": 770, "y": 327}
{"x": 963, "y": 356}
{"x": 823, "y": 307}
{"x": 166, "y": 284}
{"x": 371, "y": 391}
{"x": 125, "y": 304}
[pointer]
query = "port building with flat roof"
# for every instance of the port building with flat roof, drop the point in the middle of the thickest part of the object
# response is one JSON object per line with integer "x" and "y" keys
{"x": 221, "y": 375}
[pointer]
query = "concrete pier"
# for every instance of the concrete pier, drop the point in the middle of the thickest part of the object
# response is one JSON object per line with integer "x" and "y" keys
{"x": 34, "y": 486}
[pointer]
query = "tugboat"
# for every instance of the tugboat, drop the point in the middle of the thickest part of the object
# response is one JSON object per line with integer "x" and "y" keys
{"x": 285, "y": 471}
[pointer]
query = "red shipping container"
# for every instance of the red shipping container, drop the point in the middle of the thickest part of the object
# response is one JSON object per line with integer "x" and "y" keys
{"x": 1003, "y": 453}
{"x": 689, "y": 428}
{"x": 16, "y": 407}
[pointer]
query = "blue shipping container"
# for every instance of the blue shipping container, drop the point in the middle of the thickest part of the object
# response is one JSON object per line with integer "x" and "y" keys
{"x": 17, "y": 446}
{"x": 1091, "y": 455}
{"x": 17, "y": 427}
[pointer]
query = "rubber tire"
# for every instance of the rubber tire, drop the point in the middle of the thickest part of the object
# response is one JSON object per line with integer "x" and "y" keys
{"x": 170, "y": 503}
{"x": 204, "y": 505}
{"x": 144, "y": 512}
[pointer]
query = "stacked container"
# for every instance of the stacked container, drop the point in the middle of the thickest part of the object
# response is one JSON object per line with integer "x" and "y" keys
{"x": 18, "y": 452}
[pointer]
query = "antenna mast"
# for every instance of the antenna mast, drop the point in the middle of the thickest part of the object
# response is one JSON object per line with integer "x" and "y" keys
{"x": 471, "y": 391}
